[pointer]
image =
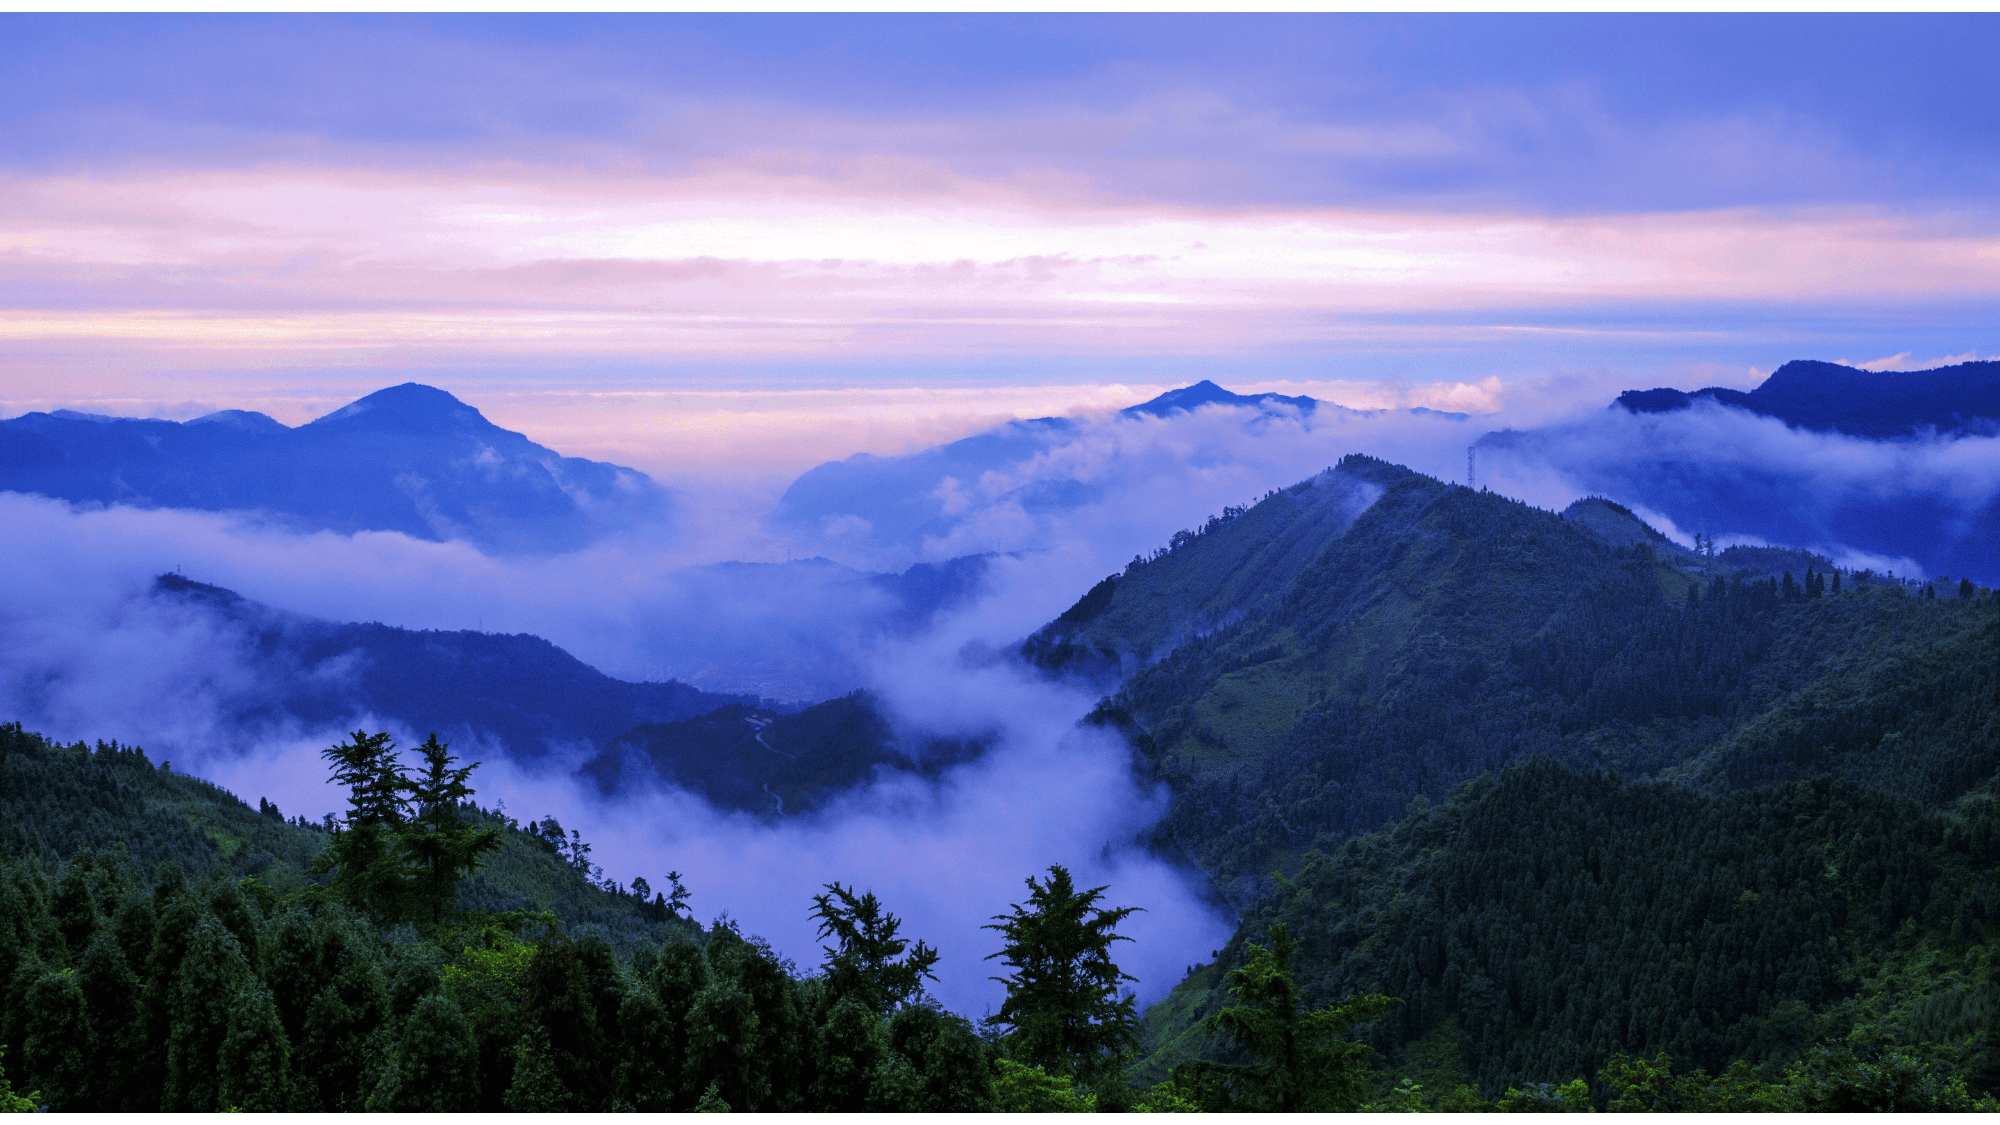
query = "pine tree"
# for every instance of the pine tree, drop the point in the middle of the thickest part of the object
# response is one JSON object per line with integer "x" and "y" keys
{"x": 557, "y": 998}
{"x": 111, "y": 997}
{"x": 57, "y": 1045}
{"x": 536, "y": 1087}
{"x": 722, "y": 1028}
{"x": 255, "y": 1059}
{"x": 435, "y": 1068}
{"x": 1063, "y": 1012}
{"x": 850, "y": 1049}
{"x": 864, "y": 967}
{"x": 364, "y": 856}
{"x": 1308, "y": 1065}
{"x": 443, "y": 846}
{"x": 208, "y": 979}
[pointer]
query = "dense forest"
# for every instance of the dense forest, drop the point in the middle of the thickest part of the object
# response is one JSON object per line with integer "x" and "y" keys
{"x": 1574, "y": 795}
{"x": 165, "y": 947}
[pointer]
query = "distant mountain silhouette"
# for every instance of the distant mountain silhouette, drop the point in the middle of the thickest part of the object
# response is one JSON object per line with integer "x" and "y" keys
{"x": 1206, "y": 393}
{"x": 1920, "y": 523}
{"x": 756, "y": 760}
{"x": 1810, "y": 394}
{"x": 897, "y": 503}
{"x": 411, "y": 459}
{"x": 518, "y": 691}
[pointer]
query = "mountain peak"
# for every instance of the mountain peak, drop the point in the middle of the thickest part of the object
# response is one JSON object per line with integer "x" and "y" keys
{"x": 409, "y": 407}
{"x": 1206, "y": 393}
{"x": 1816, "y": 395}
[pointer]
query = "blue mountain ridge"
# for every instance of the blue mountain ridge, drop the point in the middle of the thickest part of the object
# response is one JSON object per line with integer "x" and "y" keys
{"x": 411, "y": 459}
{"x": 895, "y": 500}
{"x": 1725, "y": 494}
{"x": 1814, "y": 395}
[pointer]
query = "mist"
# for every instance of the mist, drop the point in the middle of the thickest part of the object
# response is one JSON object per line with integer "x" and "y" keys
{"x": 1918, "y": 506}
{"x": 86, "y": 652}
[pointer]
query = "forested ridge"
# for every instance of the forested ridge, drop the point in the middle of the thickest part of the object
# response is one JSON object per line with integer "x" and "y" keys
{"x": 1574, "y": 798}
{"x": 165, "y": 947}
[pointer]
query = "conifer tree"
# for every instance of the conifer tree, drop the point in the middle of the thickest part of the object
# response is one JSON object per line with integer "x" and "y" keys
{"x": 111, "y": 997}
{"x": 368, "y": 867}
{"x": 444, "y": 847}
{"x": 435, "y": 1068}
{"x": 209, "y": 977}
{"x": 1307, "y": 1064}
{"x": 865, "y": 966}
{"x": 1063, "y": 1012}
{"x": 57, "y": 1044}
{"x": 255, "y": 1060}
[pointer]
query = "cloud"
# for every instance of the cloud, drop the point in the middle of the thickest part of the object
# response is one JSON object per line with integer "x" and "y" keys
{"x": 1901, "y": 361}
{"x": 873, "y": 257}
{"x": 1919, "y": 506}
{"x": 86, "y": 653}
{"x": 1105, "y": 487}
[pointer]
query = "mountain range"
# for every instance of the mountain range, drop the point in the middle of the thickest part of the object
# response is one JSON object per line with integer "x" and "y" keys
{"x": 410, "y": 459}
{"x": 896, "y": 505}
{"x": 1887, "y": 468}
{"x": 1960, "y": 399}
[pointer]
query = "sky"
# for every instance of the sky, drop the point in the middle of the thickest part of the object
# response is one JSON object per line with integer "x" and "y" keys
{"x": 738, "y": 245}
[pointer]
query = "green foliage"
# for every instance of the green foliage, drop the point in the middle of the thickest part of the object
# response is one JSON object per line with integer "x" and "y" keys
{"x": 11, "y": 1102}
{"x": 1018, "y": 1088}
{"x": 864, "y": 966}
{"x": 1307, "y": 1062}
{"x": 1063, "y": 1012}
{"x": 405, "y": 844}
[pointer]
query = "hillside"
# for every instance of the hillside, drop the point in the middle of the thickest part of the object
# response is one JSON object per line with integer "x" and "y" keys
{"x": 1447, "y": 633}
{"x": 1818, "y": 934}
{"x": 755, "y": 760}
{"x": 518, "y": 691}
{"x": 1469, "y": 735}
{"x": 111, "y": 806}
{"x": 410, "y": 459}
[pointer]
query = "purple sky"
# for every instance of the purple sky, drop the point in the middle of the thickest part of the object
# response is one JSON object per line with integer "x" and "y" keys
{"x": 748, "y": 243}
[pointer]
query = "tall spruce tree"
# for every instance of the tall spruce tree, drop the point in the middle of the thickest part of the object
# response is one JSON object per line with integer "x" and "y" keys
{"x": 1063, "y": 1012}
{"x": 438, "y": 840}
{"x": 1307, "y": 1063}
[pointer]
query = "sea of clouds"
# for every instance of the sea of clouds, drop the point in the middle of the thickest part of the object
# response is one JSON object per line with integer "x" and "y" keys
{"x": 87, "y": 653}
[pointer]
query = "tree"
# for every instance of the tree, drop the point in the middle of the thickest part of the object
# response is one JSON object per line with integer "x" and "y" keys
{"x": 209, "y": 977}
{"x": 436, "y": 1063}
{"x": 58, "y": 1039}
{"x": 442, "y": 845}
{"x": 367, "y": 863}
{"x": 865, "y": 967}
{"x": 1063, "y": 1012}
{"x": 11, "y": 1102}
{"x": 255, "y": 1060}
{"x": 404, "y": 844}
{"x": 1308, "y": 1064}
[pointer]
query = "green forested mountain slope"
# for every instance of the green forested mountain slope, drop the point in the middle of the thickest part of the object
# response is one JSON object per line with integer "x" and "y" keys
{"x": 1447, "y": 633}
{"x": 114, "y": 805}
{"x": 1239, "y": 562}
{"x": 163, "y": 947}
{"x": 1569, "y": 794}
